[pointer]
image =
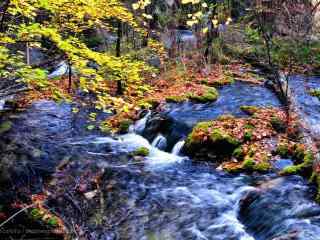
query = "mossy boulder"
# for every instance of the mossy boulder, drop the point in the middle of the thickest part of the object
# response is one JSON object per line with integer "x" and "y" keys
{"x": 175, "y": 99}
{"x": 248, "y": 134}
{"x": 213, "y": 146}
{"x": 238, "y": 153}
{"x": 5, "y": 127}
{"x": 283, "y": 150}
{"x": 124, "y": 126}
{"x": 262, "y": 167}
{"x": 304, "y": 168}
{"x": 278, "y": 124}
{"x": 315, "y": 93}
{"x": 250, "y": 110}
{"x": 315, "y": 178}
{"x": 225, "y": 117}
{"x": 298, "y": 152}
{"x": 249, "y": 164}
{"x": 141, "y": 152}
{"x": 210, "y": 95}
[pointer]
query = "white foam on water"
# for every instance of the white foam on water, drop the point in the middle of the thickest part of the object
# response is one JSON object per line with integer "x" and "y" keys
{"x": 178, "y": 147}
{"x": 132, "y": 141}
{"x": 61, "y": 70}
{"x": 160, "y": 142}
{"x": 140, "y": 125}
{"x": 2, "y": 103}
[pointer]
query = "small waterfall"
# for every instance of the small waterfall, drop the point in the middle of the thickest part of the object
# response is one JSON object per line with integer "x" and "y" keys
{"x": 140, "y": 125}
{"x": 61, "y": 70}
{"x": 160, "y": 142}
{"x": 177, "y": 148}
{"x": 2, "y": 103}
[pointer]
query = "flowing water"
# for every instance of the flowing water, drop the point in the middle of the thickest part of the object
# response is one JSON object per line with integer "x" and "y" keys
{"x": 160, "y": 142}
{"x": 164, "y": 196}
{"x": 308, "y": 105}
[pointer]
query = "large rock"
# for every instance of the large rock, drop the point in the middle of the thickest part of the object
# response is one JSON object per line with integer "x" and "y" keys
{"x": 273, "y": 211}
{"x": 215, "y": 146}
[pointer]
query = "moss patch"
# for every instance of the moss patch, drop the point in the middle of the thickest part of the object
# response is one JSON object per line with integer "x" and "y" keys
{"x": 283, "y": 150}
{"x": 124, "y": 126}
{"x": 209, "y": 95}
{"x": 142, "y": 151}
{"x": 207, "y": 140}
{"x": 278, "y": 124}
{"x": 238, "y": 153}
{"x": 250, "y": 110}
{"x": 248, "y": 163}
{"x": 304, "y": 168}
{"x": 315, "y": 93}
{"x": 5, "y": 127}
{"x": 176, "y": 99}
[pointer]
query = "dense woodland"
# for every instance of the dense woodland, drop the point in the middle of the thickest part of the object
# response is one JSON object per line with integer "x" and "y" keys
{"x": 94, "y": 91}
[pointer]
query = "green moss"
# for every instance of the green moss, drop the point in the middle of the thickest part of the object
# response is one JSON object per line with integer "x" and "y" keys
{"x": 249, "y": 126}
{"x": 218, "y": 135}
{"x": 250, "y": 110}
{"x": 125, "y": 125}
{"x": 211, "y": 94}
{"x": 262, "y": 167}
{"x": 247, "y": 135}
{"x": 36, "y": 214}
{"x": 317, "y": 182}
{"x": 291, "y": 170}
{"x": 278, "y": 124}
{"x": 315, "y": 93}
{"x": 283, "y": 150}
{"x": 105, "y": 127}
{"x": 5, "y": 127}
{"x": 301, "y": 169}
{"x": 225, "y": 117}
{"x": 238, "y": 153}
{"x": 176, "y": 99}
{"x": 222, "y": 82}
{"x": 248, "y": 163}
{"x": 298, "y": 152}
{"x": 52, "y": 222}
{"x": 192, "y": 139}
{"x": 218, "y": 143}
{"x": 142, "y": 151}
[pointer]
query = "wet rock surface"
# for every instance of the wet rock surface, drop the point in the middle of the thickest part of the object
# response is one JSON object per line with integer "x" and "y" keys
{"x": 281, "y": 208}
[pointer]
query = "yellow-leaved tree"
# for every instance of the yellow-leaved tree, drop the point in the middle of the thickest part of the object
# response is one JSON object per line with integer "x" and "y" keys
{"x": 58, "y": 28}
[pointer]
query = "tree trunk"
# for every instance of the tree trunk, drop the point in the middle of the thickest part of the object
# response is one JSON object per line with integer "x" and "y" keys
{"x": 3, "y": 16}
{"x": 119, "y": 35}
{"x": 28, "y": 53}
{"x": 70, "y": 77}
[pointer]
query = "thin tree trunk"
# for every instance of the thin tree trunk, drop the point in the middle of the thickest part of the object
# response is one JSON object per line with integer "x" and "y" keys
{"x": 28, "y": 53}
{"x": 70, "y": 77}
{"x": 119, "y": 35}
{"x": 3, "y": 16}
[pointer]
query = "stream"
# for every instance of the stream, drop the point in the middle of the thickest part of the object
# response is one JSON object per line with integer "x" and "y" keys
{"x": 165, "y": 196}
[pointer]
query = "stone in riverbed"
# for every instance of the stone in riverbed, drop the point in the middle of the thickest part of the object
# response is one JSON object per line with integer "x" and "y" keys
{"x": 5, "y": 127}
{"x": 217, "y": 143}
{"x": 210, "y": 95}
